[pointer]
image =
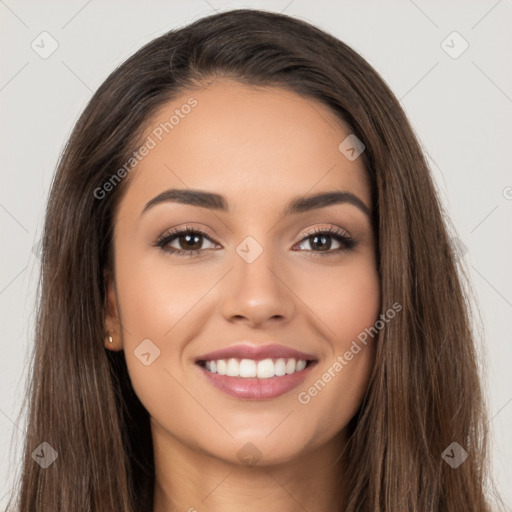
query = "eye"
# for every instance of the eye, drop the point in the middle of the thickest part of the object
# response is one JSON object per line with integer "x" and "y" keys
{"x": 321, "y": 238}
{"x": 190, "y": 241}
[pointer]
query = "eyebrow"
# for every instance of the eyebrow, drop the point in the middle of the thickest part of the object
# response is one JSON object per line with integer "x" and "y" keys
{"x": 218, "y": 202}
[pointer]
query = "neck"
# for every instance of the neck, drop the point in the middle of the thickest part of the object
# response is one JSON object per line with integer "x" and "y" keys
{"x": 190, "y": 480}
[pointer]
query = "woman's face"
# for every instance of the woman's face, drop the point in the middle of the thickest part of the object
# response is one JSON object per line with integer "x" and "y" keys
{"x": 259, "y": 275}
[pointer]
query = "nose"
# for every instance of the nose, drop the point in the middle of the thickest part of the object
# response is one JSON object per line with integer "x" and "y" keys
{"x": 257, "y": 293}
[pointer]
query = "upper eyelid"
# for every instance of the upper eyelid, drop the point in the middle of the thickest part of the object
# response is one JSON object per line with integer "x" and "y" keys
{"x": 190, "y": 229}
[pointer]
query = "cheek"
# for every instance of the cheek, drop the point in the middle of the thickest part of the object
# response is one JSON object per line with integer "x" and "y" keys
{"x": 346, "y": 300}
{"x": 349, "y": 306}
{"x": 157, "y": 312}
{"x": 155, "y": 296}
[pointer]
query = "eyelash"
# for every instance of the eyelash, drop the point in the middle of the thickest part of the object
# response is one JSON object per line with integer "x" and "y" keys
{"x": 347, "y": 242}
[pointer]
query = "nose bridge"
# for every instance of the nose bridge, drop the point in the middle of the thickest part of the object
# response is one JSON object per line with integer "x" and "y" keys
{"x": 255, "y": 290}
{"x": 255, "y": 263}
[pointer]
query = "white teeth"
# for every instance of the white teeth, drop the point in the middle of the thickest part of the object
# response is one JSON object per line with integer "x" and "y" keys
{"x": 249, "y": 368}
{"x": 233, "y": 368}
{"x": 221, "y": 367}
{"x": 280, "y": 367}
{"x": 290, "y": 366}
{"x": 265, "y": 369}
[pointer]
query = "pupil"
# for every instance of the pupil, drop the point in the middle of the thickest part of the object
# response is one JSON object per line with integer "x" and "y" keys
{"x": 324, "y": 244}
{"x": 188, "y": 239}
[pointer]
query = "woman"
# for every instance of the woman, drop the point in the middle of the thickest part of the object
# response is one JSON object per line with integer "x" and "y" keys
{"x": 192, "y": 351}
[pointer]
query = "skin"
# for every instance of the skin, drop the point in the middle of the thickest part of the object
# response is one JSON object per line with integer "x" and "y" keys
{"x": 260, "y": 148}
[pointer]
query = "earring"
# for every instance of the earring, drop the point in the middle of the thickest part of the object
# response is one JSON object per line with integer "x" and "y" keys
{"x": 110, "y": 340}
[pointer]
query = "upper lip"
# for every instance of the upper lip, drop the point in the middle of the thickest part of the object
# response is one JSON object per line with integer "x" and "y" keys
{"x": 256, "y": 352}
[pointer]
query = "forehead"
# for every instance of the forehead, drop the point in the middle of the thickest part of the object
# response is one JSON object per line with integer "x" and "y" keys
{"x": 254, "y": 145}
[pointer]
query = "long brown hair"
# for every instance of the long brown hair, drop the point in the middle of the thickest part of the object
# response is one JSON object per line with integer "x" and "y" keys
{"x": 424, "y": 393}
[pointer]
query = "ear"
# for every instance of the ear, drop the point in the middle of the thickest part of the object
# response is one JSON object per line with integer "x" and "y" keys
{"x": 112, "y": 321}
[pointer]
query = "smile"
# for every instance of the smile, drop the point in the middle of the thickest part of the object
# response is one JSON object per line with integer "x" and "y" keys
{"x": 249, "y": 379}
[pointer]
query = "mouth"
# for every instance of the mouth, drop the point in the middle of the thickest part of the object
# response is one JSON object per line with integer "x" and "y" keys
{"x": 250, "y": 379}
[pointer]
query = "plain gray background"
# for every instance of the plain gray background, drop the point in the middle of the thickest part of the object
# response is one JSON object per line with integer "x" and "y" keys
{"x": 459, "y": 103}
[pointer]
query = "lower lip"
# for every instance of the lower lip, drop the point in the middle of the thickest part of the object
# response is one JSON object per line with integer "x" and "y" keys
{"x": 257, "y": 389}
